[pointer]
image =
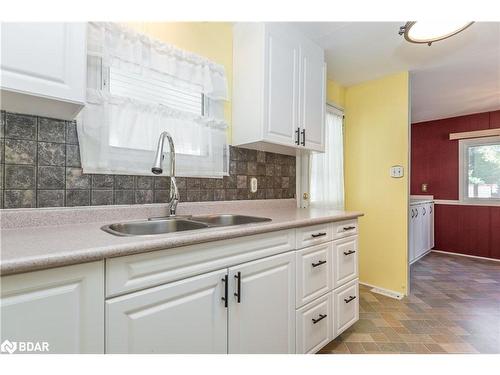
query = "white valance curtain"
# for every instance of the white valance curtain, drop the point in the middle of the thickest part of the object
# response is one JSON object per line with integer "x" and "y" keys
{"x": 327, "y": 169}
{"x": 118, "y": 132}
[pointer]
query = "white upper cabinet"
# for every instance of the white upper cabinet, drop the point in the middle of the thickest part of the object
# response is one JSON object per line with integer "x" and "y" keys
{"x": 282, "y": 89}
{"x": 43, "y": 68}
{"x": 313, "y": 100}
{"x": 278, "y": 89}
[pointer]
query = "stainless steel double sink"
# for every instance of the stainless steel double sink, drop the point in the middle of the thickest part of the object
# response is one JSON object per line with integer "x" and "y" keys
{"x": 174, "y": 224}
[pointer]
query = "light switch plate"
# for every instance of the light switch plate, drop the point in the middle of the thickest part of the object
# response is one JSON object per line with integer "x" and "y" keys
{"x": 397, "y": 171}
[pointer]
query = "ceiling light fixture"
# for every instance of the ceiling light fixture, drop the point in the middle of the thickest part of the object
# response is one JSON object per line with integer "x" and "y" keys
{"x": 430, "y": 32}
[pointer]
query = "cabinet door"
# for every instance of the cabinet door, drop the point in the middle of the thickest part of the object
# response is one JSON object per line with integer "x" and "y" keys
{"x": 426, "y": 233}
{"x": 262, "y": 306}
{"x": 46, "y": 59}
{"x": 186, "y": 316}
{"x": 63, "y": 307}
{"x": 411, "y": 234}
{"x": 281, "y": 86}
{"x": 312, "y": 96}
{"x": 431, "y": 218}
{"x": 417, "y": 235}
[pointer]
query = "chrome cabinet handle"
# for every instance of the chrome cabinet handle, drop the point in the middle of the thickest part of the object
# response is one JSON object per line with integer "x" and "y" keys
{"x": 351, "y": 298}
{"x": 412, "y": 213}
{"x": 424, "y": 211}
{"x": 349, "y": 252}
{"x": 348, "y": 228}
{"x": 321, "y": 317}
{"x": 238, "y": 293}
{"x": 319, "y": 263}
{"x": 321, "y": 234}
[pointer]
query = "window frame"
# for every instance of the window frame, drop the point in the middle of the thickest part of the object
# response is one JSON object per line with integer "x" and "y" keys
{"x": 463, "y": 173}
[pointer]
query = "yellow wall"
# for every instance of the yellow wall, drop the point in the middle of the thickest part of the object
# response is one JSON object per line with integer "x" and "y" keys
{"x": 213, "y": 40}
{"x": 335, "y": 93}
{"x": 376, "y": 137}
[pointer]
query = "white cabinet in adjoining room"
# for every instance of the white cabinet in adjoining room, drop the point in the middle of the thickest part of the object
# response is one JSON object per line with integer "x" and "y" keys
{"x": 420, "y": 229}
{"x": 63, "y": 307}
{"x": 279, "y": 89}
{"x": 43, "y": 68}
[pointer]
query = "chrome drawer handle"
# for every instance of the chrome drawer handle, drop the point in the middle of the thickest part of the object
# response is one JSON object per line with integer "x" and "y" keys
{"x": 349, "y": 252}
{"x": 321, "y": 234}
{"x": 321, "y": 317}
{"x": 319, "y": 263}
{"x": 348, "y": 228}
{"x": 351, "y": 298}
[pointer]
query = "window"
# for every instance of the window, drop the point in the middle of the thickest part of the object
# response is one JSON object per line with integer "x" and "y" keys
{"x": 327, "y": 169}
{"x": 138, "y": 87}
{"x": 480, "y": 170}
{"x": 155, "y": 88}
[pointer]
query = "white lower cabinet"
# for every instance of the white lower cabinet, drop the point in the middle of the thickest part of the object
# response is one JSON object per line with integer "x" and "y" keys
{"x": 258, "y": 296}
{"x": 345, "y": 264}
{"x": 63, "y": 307}
{"x": 346, "y": 307}
{"x": 248, "y": 308}
{"x": 314, "y": 277}
{"x": 314, "y": 325}
{"x": 187, "y": 316}
{"x": 262, "y": 306}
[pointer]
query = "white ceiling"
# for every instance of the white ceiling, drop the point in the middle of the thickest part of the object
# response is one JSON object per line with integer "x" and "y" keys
{"x": 457, "y": 76}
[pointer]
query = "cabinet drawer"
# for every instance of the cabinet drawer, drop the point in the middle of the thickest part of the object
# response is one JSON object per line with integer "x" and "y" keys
{"x": 314, "y": 325}
{"x": 314, "y": 265}
{"x": 345, "y": 260}
{"x": 313, "y": 235}
{"x": 345, "y": 307}
{"x": 345, "y": 228}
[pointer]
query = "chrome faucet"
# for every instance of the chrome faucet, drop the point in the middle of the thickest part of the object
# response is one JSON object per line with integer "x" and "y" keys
{"x": 157, "y": 169}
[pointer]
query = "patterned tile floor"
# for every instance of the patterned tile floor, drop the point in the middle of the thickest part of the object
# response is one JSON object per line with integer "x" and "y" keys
{"x": 454, "y": 307}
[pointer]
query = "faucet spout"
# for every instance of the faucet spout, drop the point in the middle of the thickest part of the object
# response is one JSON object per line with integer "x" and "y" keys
{"x": 158, "y": 169}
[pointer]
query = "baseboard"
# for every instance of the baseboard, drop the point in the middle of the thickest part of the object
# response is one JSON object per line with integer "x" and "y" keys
{"x": 420, "y": 257}
{"x": 384, "y": 291}
{"x": 465, "y": 255}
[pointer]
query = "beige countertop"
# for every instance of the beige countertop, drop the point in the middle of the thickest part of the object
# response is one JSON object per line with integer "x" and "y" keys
{"x": 26, "y": 245}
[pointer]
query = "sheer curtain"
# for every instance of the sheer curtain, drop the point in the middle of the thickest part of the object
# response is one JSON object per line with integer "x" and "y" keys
{"x": 138, "y": 87}
{"x": 327, "y": 169}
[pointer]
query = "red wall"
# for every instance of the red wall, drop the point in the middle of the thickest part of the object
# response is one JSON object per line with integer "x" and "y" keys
{"x": 472, "y": 230}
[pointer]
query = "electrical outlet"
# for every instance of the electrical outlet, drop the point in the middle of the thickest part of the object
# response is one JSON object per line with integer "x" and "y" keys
{"x": 253, "y": 185}
{"x": 397, "y": 171}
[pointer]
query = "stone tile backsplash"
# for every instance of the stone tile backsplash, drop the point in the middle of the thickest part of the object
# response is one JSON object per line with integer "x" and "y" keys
{"x": 40, "y": 167}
